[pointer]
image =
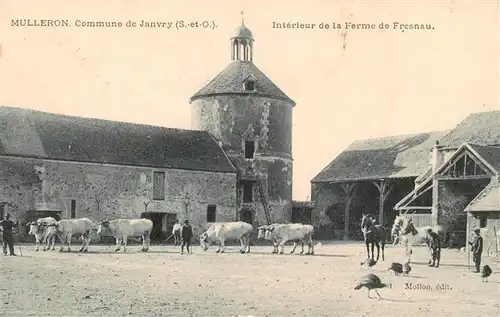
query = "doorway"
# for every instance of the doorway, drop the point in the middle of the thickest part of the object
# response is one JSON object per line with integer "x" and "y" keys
{"x": 157, "y": 233}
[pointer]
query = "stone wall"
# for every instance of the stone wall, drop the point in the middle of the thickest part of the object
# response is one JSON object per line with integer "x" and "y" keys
{"x": 116, "y": 191}
{"x": 491, "y": 241}
{"x": 19, "y": 185}
{"x": 230, "y": 118}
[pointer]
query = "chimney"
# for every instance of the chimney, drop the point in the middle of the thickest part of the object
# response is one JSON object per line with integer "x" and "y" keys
{"x": 437, "y": 157}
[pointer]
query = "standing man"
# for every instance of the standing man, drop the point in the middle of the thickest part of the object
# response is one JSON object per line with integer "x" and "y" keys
{"x": 8, "y": 237}
{"x": 434, "y": 245}
{"x": 186, "y": 235}
{"x": 477, "y": 248}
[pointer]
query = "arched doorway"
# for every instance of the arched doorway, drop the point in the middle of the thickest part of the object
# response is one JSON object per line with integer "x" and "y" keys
{"x": 246, "y": 215}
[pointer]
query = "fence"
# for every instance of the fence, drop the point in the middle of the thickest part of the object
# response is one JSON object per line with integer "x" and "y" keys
{"x": 421, "y": 220}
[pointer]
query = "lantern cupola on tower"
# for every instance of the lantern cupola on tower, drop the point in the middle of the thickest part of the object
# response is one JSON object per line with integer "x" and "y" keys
{"x": 242, "y": 44}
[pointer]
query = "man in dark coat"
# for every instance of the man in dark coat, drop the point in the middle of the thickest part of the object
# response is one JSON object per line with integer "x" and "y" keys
{"x": 8, "y": 237}
{"x": 477, "y": 248}
{"x": 186, "y": 235}
{"x": 434, "y": 245}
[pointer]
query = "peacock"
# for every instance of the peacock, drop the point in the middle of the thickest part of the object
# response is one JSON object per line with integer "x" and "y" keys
{"x": 396, "y": 267}
{"x": 485, "y": 273}
{"x": 371, "y": 282}
{"x": 406, "y": 268}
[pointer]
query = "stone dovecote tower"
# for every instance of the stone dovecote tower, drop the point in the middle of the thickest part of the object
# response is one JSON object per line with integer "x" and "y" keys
{"x": 252, "y": 120}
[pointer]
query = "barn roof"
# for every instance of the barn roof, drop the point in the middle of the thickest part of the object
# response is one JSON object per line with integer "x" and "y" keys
{"x": 231, "y": 80}
{"x": 31, "y": 133}
{"x": 487, "y": 200}
{"x": 481, "y": 128}
{"x": 390, "y": 157}
{"x": 490, "y": 154}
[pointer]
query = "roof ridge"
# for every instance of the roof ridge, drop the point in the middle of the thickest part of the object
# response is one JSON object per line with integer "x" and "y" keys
{"x": 399, "y": 135}
{"x": 494, "y": 146}
{"x": 36, "y": 111}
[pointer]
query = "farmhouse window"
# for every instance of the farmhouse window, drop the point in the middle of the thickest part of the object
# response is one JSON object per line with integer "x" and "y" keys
{"x": 73, "y": 209}
{"x": 249, "y": 149}
{"x": 211, "y": 210}
{"x": 159, "y": 186}
{"x": 247, "y": 192}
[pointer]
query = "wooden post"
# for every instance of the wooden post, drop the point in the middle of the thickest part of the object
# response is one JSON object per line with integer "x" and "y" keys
{"x": 384, "y": 189}
{"x": 349, "y": 191}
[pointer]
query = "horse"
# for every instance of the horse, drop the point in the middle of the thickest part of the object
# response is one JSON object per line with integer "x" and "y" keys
{"x": 411, "y": 235}
{"x": 374, "y": 234}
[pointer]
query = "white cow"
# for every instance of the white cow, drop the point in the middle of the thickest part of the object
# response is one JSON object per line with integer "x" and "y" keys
{"x": 262, "y": 235}
{"x": 44, "y": 230}
{"x": 121, "y": 229}
{"x": 67, "y": 228}
{"x": 296, "y": 232}
{"x": 219, "y": 232}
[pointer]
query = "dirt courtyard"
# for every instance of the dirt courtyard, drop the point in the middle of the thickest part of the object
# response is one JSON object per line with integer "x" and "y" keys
{"x": 164, "y": 283}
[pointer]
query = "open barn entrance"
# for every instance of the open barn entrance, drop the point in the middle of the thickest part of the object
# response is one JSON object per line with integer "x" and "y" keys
{"x": 157, "y": 234}
{"x": 365, "y": 198}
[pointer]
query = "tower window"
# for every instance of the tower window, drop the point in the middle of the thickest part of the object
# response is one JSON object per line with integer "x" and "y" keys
{"x": 211, "y": 213}
{"x": 247, "y": 192}
{"x": 249, "y": 149}
{"x": 73, "y": 208}
{"x": 249, "y": 85}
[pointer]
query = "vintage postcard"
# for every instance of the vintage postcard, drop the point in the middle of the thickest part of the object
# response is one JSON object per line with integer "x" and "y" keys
{"x": 250, "y": 158}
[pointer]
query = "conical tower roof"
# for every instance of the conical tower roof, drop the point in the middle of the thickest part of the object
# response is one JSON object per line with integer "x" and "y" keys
{"x": 231, "y": 81}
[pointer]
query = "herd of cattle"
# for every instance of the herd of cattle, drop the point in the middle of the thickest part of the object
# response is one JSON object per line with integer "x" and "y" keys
{"x": 47, "y": 229}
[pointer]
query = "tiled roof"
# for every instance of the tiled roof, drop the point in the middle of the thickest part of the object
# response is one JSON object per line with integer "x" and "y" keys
{"x": 390, "y": 157}
{"x": 487, "y": 200}
{"x": 231, "y": 79}
{"x": 33, "y": 133}
{"x": 490, "y": 153}
{"x": 481, "y": 128}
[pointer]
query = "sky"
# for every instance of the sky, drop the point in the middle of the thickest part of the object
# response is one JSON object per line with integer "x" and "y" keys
{"x": 348, "y": 84}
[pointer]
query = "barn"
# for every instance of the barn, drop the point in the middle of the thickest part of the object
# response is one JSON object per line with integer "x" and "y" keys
{"x": 370, "y": 176}
{"x": 74, "y": 167}
{"x": 432, "y": 177}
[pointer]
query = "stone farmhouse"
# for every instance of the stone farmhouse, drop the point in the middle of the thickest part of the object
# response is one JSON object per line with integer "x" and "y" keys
{"x": 235, "y": 163}
{"x": 448, "y": 178}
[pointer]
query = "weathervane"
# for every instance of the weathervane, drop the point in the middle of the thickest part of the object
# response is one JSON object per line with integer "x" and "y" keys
{"x": 242, "y": 17}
